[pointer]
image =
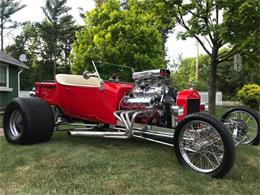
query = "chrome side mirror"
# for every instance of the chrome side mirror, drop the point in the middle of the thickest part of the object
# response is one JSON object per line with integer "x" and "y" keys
{"x": 87, "y": 75}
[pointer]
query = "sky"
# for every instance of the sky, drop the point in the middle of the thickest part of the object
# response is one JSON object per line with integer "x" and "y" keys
{"x": 33, "y": 12}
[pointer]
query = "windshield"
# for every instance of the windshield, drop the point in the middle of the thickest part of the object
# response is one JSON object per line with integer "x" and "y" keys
{"x": 113, "y": 72}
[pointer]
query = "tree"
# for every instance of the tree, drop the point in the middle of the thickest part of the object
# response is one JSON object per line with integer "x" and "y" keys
{"x": 100, "y": 2}
{"x": 7, "y": 9}
{"x": 229, "y": 81}
{"x": 186, "y": 73}
{"x": 119, "y": 37}
{"x": 46, "y": 44}
{"x": 202, "y": 20}
{"x": 27, "y": 43}
{"x": 246, "y": 37}
{"x": 57, "y": 32}
{"x": 159, "y": 14}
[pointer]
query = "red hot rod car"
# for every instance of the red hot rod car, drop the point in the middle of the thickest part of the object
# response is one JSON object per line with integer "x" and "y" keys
{"x": 148, "y": 109}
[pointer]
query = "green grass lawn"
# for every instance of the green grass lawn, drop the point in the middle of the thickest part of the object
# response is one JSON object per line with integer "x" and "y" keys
{"x": 81, "y": 165}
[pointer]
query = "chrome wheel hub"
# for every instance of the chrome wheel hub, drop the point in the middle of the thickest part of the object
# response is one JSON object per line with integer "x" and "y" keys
{"x": 16, "y": 124}
{"x": 197, "y": 147}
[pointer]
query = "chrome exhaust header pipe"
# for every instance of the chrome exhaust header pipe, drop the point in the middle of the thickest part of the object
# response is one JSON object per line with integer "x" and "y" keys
{"x": 95, "y": 133}
{"x": 122, "y": 116}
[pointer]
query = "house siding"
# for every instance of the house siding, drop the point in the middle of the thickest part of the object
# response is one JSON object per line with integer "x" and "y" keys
{"x": 5, "y": 96}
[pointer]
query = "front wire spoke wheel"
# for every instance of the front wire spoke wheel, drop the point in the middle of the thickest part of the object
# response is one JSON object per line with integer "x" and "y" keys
{"x": 205, "y": 153}
{"x": 246, "y": 122}
{"x": 203, "y": 144}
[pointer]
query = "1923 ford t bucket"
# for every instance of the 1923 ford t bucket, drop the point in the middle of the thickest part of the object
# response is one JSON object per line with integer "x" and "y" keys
{"x": 148, "y": 109}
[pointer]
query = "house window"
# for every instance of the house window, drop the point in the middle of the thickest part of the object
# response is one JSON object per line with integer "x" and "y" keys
{"x": 3, "y": 76}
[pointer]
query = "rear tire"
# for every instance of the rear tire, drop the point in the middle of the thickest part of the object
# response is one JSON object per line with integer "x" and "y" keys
{"x": 28, "y": 121}
{"x": 202, "y": 143}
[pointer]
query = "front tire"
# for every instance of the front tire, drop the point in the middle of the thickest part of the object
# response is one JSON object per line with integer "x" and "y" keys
{"x": 28, "y": 121}
{"x": 202, "y": 143}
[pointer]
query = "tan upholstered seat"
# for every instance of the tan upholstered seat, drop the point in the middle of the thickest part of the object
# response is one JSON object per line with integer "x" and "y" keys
{"x": 77, "y": 80}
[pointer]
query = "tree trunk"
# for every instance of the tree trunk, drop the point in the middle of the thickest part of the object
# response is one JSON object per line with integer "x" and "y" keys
{"x": 54, "y": 64}
{"x": 212, "y": 82}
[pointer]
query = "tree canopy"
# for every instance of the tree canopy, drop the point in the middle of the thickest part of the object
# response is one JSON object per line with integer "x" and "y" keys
{"x": 229, "y": 81}
{"x": 186, "y": 73}
{"x": 57, "y": 32}
{"x": 119, "y": 36}
{"x": 26, "y": 43}
{"x": 213, "y": 24}
{"x": 47, "y": 44}
{"x": 7, "y": 9}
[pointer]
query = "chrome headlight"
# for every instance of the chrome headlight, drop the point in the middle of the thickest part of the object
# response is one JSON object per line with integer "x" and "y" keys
{"x": 177, "y": 110}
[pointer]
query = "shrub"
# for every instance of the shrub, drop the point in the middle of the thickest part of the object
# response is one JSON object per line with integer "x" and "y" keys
{"x": 250, "y": 95}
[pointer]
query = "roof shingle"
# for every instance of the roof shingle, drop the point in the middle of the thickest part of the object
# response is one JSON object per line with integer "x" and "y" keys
{"x": 10, "y": 60}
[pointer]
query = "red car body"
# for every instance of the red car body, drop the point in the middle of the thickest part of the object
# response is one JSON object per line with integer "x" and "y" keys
{"x": 98, "y": 104}
{"x": 85, "y": 102}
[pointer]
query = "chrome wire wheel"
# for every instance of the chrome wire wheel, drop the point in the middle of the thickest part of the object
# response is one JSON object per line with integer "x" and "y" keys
{"x": 246, "y": 125}
{"x": 201, "y": 146}
{"x": 16, "y": 124}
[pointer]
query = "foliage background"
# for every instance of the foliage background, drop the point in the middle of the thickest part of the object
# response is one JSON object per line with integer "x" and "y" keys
{"x": 128, "y": 37}
{"x": 229, "y": 81}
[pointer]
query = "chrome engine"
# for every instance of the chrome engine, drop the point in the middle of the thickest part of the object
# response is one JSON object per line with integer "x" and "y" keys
{"x": 151, "y": 92}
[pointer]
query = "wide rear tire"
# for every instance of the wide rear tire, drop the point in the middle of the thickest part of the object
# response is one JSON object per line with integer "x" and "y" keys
{"x": 202, "y": 143}
{"x": 28, "y": 121}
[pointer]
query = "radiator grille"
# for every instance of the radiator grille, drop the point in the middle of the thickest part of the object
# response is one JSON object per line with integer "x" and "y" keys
{"x": 193, "y": 106}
